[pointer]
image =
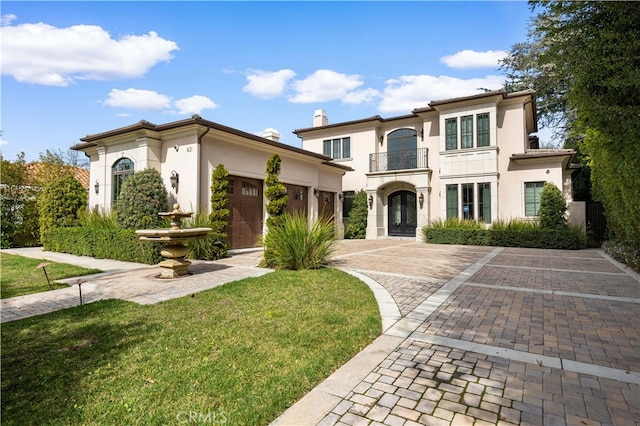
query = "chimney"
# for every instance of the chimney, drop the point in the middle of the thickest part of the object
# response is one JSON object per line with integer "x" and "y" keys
{"x": 271, "y": 134}
{"x": 320, "y": 118}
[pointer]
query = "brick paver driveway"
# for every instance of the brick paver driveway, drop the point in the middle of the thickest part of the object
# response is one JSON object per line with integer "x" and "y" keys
{"x": 495, "y": 336}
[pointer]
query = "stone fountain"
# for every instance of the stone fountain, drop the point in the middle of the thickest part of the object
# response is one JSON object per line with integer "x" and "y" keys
{"x": 175, "y": 265}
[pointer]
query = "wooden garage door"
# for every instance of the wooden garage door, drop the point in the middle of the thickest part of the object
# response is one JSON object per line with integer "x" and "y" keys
{"x": 326, "y": 204}
{"x": 297, "y": 198}
{"x": 245, "y": 212}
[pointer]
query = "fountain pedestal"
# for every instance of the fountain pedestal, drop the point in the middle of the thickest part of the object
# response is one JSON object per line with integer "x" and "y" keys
{"x": 175, "y": 265}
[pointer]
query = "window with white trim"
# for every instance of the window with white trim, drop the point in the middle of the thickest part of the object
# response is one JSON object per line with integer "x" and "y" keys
{"x": 337, "y": 148}
{"x": 532, "y": 191}
{"x": 120, "y": 171}
{"x": 466, "y": 131}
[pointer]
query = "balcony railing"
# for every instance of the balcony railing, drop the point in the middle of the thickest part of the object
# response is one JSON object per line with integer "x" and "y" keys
{"x": 399, "y": 160}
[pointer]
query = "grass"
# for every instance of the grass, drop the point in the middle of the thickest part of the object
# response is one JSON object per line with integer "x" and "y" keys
{"x": 242, "y": 353}
{"x": 455, "y": 223}
{"x": 20, "y": 275}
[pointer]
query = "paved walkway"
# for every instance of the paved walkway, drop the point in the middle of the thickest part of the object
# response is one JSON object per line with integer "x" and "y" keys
{"x": 486, "y": 336}
{"x": 472, "y": 335}
{"x": 135, "y": 282}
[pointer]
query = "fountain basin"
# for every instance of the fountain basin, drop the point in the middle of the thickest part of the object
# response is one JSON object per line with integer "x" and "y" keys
{"x": 174, "y": 265}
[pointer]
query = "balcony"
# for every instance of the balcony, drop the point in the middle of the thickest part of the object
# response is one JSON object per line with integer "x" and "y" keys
{"x": 399, "y": 160}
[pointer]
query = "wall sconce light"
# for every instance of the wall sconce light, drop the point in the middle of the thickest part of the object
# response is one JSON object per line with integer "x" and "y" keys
{"x": 421, "y": 199}
{"x": 370, "y": 201}
{"x": 381, "y": 138}
{"x": 341, "y": 196}
{"x": 422, "y": 133}
{"x": 316, "y": 190}
{"x": 175, "y": 178}
{"x": 96, "y": 187}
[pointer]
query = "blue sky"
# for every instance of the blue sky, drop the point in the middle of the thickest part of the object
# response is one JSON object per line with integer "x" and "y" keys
{"x": 74, "y": 68}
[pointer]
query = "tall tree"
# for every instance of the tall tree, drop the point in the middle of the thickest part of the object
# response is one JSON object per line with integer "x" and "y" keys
{"x": 582, "y": 59}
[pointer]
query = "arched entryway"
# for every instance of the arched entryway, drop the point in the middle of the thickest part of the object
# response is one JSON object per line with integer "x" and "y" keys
{"x": 402, "y": 214}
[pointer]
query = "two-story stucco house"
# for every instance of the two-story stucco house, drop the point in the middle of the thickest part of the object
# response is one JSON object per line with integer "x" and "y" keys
{"x": 186, "y": 152}
{"x": 471, "y": 157}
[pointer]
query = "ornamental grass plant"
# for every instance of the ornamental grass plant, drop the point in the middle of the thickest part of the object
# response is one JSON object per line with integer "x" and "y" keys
{"x": 295, "y": 243}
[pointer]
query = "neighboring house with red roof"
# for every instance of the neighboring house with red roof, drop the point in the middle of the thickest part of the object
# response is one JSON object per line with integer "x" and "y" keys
{"x": 80, "y": 173}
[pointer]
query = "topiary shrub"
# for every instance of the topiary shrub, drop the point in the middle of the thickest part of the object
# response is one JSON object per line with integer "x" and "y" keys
{"x": 275, "y": 192}
{"x": 142, "y": 197}
{"x": 552, "y": 207}
{"x": 357, "y": 227}
{"x": 219, "y": 217}
{"x": 60, "y": 204}
{"x": 215, "y": 245}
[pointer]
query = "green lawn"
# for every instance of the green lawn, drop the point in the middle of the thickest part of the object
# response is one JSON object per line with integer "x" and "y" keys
{"x": 20, "y": 276}
{"x": 242, "y": 353}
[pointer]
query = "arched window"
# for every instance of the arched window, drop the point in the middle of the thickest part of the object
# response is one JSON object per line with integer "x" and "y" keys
{"x": 402, "y": 148}
{"x": 120, "y": 171}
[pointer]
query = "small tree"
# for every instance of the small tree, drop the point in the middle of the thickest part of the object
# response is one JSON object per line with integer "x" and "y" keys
{"x": 276, "y": 192}
{"x": 142, "y": 197}
{"x": 357, "y": 227}
{"x": 60, "y": 205}
{"x": 552, "y": 207}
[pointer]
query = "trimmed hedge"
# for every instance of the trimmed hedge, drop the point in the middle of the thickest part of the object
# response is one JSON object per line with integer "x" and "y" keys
{"x": 117, "y": 244}
{"x": 563, "y": 238}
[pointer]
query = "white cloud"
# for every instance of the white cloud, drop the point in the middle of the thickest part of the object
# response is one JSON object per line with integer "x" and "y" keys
{"x": 149, "y": 100}
{"x": 7, "y": 19}
{"x": 407, "y": 92}
{"x": 43, "y": 54}
{"x": 3, "y": 142}
{"x": 266, "y": 84}
{"x": 325, "y": 85}
{"x": 467, "y": 59}
{"x": 361, "y": 96}
{"x": 194, "y": 104}
{"x": 146, "y": 100}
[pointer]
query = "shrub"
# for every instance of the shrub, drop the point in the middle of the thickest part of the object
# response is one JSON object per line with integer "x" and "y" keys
{"x": 209, "y": 248}
{"x": 275, "y": 192}
{"x": 357, "y": 227}
{"x": 219, "y": 217}
{"x": 464, "y": 236}
{"x": 18, "y": 205}
{"x": 60, "y": 203}
{"x": 624, "y": 253}
{"x": 516, "y": 233}
{"x": 552, "y": 207}
{"x": 113, "y": 243}
{"x": 142, "y": 197}
{"x": 296, "y": 244}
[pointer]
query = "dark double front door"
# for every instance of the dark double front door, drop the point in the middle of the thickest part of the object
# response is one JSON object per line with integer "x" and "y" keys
{"x": 402, "y": 214}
